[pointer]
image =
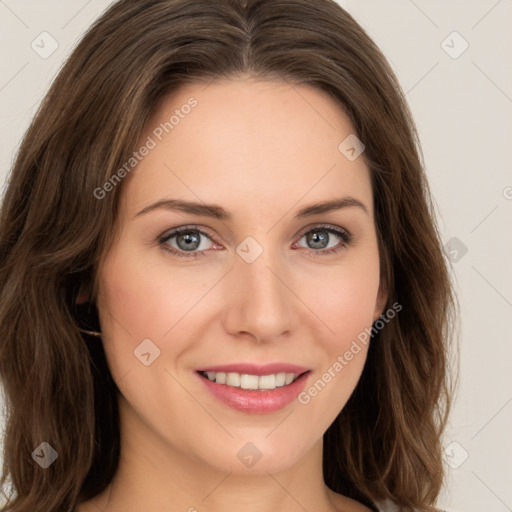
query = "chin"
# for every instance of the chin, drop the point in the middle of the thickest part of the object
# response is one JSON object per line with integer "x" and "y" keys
{"x": 245, "y": 457}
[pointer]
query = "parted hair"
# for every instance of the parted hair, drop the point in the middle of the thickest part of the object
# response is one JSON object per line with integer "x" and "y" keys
{"x": 386, "y": 443}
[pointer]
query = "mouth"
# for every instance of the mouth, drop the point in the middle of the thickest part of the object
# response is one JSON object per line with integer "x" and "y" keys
{"x": 254, "y": 382}
{"x": 255, "y": 389}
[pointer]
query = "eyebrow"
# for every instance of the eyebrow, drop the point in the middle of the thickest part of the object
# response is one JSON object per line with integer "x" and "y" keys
{"x": 217, "y": 212}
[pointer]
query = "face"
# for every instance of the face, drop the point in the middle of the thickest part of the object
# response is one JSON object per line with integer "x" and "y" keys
{"x": 264, "y": 288}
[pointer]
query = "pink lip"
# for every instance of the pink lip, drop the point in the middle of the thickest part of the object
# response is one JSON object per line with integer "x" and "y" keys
{"x": 256, "y": 369}
{"x": 253, "y": 400}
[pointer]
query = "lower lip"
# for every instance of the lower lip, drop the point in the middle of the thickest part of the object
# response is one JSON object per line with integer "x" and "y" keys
{"x": 253, "y": 400}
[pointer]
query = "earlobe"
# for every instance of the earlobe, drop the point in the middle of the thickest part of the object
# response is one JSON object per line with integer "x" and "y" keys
{"x": 83, "y": 297}
{"x": 84, "y": 293}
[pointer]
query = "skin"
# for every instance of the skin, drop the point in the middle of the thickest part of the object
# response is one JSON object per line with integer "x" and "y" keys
{"x": 262, "y": 150}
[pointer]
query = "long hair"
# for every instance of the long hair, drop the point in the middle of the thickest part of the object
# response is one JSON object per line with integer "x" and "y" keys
{"x": 386, "y": 442}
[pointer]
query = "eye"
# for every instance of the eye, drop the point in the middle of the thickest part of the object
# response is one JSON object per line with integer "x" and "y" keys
{"x": 320, "y": 237}
{"x": 187, "y": 241}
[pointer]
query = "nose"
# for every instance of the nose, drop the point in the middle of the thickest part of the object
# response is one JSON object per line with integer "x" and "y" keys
{"x": 259, "y": 299}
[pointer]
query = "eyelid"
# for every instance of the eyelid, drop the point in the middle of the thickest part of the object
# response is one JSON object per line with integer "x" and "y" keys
{"x": 321, "y": 225}
{"x": 187, "y": 227}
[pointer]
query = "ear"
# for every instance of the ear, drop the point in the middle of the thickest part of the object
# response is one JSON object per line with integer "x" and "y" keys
{"x": 84, "y": 294}
{"x": 380, "y": 303}
{"x": 83, "y": 297}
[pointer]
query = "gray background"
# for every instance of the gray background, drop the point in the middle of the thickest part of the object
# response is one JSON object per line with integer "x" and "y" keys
{"x": 462, "y": 104}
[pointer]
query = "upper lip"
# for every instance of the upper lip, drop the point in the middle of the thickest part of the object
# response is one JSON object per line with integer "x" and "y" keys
{"x": 255, "y": 369}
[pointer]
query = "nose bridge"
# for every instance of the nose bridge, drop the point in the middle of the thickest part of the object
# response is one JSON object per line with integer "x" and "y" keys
{"x": 260, "y": 303}
{"x": 260, "y": 278}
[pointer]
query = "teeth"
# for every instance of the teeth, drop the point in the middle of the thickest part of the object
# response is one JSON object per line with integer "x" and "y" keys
{"x": 249, "y": 381}
{"x": 281, "y": 379}
{"x": 233, "y": 379}
{"x": 245, "y": 381}
{"x": 267, "y": 382}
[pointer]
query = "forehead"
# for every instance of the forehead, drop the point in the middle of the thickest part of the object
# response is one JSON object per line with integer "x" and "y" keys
{"x": 240, "y": 140}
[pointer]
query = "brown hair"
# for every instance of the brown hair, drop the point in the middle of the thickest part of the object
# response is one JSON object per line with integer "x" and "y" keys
{"x": 386, "y": 442}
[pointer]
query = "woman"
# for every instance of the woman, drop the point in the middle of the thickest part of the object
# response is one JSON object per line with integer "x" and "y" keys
{"x": 222, "y": 279}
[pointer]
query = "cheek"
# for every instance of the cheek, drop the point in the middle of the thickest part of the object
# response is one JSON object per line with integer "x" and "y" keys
{"x": 344, "y": 302}
{"x": 141, "y": 298}
{"x": 133, "y": 306}
{"x": 345, "y": 309}
{"x": 345, "y": 298}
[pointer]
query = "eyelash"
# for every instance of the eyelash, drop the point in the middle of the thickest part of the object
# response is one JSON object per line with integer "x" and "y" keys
{"x": 344, "y": 235}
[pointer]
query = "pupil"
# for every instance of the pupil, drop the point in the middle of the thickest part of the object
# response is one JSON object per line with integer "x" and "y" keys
{"x": 189, "y": 239}
{"x": 318, "y": 239}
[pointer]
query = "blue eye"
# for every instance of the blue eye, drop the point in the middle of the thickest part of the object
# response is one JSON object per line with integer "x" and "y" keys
{"x": 324, "y": 238}
{"x": 188, "y": 243}
{"x": 190, "y": 240}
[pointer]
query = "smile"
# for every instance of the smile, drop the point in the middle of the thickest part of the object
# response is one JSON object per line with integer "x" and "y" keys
{"x": 254, "y": 388}
{"x": 247, "y": 381}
